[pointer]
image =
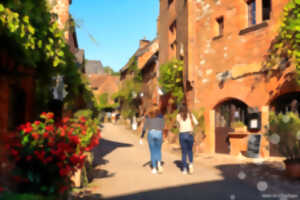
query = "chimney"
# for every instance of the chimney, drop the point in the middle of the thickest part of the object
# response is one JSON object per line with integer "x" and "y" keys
{"x": 144, "y": 43}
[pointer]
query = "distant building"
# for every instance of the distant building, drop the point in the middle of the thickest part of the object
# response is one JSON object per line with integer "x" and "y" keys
{"x": 93, "y": 67}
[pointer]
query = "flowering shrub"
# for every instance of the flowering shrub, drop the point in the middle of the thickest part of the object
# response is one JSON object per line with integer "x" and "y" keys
{"x": 48, "y": 154}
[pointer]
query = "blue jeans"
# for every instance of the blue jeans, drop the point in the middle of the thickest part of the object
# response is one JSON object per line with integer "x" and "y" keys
{"x": 186, "y": 143}
{"x": 155, "y": 141}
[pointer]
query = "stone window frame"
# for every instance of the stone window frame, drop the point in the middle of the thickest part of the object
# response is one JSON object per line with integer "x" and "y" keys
{"x": 220, "y": 29}
{"x": 260, "y": 23}
{"x": 170, "y": 2}
{"x": 266, "y": 11}
{"x": 251, "y": 12}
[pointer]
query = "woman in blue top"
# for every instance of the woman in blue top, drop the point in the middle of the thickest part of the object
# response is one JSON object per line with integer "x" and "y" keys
{"x": 154, "y": 123}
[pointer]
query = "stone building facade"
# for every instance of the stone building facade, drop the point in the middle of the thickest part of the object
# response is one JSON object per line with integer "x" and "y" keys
{"x": 224, "y": 45}
{"x": 147, "y": 61}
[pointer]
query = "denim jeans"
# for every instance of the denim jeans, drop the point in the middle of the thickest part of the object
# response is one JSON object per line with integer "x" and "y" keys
{"x": 186, "y": 143}
{"x": 155, "y": 141}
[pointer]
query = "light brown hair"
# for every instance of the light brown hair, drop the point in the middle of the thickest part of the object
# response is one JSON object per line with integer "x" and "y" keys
{"x": 153, "y": 111}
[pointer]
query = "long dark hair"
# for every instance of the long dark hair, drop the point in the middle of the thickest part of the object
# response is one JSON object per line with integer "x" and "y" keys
{"x": 183, "y": 112}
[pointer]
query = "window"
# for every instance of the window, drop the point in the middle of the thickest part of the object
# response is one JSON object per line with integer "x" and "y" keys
{"x": 173, "y": 27}
{"x": 170, "y": 2}
{"x": 266, "y": 9}
{"x": 251, "y": 12}
{"x": 220, "y": 22}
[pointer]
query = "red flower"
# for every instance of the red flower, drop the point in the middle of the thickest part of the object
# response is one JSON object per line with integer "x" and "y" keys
{"x": 64, "y": 171}
{"x": 35, "y": 136}
{"x": 14, "y": 152}
{"x": 43, "y": 115}
{"x": 75, "y": 139}
{"x": 62, "y": 132}
{"x": 65, "y": 119}
{"x": 1, "y": 189}
{"x": 37, "y": 123}
{"x": 46, "y": 135}
{"x": 49, "y": 128}
{"x": 50, "y": 115}
{"x": 82, "y": 120}
{"x": 28, "y": 158}
{"x": 27, "y": 129}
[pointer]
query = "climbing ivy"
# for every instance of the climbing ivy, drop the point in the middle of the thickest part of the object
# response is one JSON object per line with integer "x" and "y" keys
{"x": 286, "y": 46}
{"x": 171, "y": 79}
{"x": 29, "y": 24}
{"x": 130, "y": 90}
{"x": 39, "y": 43}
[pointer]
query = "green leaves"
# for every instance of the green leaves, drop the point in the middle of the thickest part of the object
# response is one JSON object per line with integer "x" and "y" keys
{"x": 171, "y": 79}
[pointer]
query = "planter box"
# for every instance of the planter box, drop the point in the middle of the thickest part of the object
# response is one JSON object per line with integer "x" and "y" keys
{"x": 240, "y": 129}
{"x": 293, "y": 168}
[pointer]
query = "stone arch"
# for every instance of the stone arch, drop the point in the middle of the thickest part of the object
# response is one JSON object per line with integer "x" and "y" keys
{"x": 227, "y": 111}
{"x": 286, "y": 102}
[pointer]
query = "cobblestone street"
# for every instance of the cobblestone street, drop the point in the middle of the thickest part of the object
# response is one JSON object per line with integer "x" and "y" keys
{"x": 123, "y": 172}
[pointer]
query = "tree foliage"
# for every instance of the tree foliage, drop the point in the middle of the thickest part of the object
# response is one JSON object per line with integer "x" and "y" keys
{"x": 110, "y": 71}
{"x": 171, "y": 79}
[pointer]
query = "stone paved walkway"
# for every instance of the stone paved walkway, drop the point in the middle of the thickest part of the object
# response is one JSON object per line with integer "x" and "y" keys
{"x": 123, "y": 173}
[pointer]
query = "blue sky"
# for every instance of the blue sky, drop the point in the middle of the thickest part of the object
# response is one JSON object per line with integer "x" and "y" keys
{"x": 116, "y": 25}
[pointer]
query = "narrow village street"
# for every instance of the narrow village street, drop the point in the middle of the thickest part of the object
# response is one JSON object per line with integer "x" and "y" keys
{"x": 123, "y": 172}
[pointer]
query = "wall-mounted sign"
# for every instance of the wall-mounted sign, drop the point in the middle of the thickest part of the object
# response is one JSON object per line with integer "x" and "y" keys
{"x": 254, "y": 121}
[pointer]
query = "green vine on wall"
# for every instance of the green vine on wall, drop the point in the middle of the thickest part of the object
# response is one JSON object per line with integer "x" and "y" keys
{"x": 130, "y": 90}
{"x": 40, "y": 39}
{"x": 39, "y": 43}
{"x": 286, "y": 46}
{"x": 171, "y": 79}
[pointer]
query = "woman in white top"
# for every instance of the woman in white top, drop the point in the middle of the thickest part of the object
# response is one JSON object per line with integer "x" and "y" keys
{"x": 186, "y": 122}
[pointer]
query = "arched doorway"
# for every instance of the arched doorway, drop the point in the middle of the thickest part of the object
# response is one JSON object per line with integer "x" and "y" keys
{"x": 228, "y": 111}
{"x": 288, "y": 102}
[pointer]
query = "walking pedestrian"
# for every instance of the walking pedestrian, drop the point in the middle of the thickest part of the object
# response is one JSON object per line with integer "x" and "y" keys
{"x": 154, "y": 123}
{"x": 186, "y": 121}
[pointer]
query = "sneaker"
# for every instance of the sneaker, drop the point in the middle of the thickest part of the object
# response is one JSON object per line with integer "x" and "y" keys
{"x": 160, "y": 168}
{"x": 154, "y": 171}
{"x": 191, "y": 168}
{"x": 184, "y": 171}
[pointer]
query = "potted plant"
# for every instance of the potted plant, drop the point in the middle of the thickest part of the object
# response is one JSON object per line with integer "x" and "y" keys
{"x": 284, "y": 133}
{"x": 239, "y": 126}
{"x": 46, "y": 154}
{"x": 199, "y": 130}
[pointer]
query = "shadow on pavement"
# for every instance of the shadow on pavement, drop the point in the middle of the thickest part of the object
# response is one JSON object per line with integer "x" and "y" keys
{"x": 271, "y": 174}
{"x": 232, "y": 187}
{"x": 178, "y": 164}
{"x": 215, "y": 190}
{"x": 101, "y": 173}
{"x": 86, "y": 195}
{"x": 105, "y": 147}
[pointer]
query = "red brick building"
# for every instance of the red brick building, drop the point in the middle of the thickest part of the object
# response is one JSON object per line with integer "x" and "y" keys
{"x": 104, "y": 83}
{"x": 223, "y": 44}
{"x": 147, "y": 61}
